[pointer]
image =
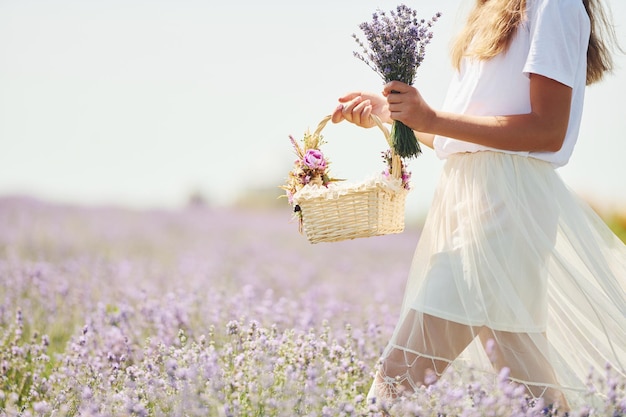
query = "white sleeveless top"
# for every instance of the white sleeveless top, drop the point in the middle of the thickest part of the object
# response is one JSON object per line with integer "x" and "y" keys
{"x": 551, "y": 42}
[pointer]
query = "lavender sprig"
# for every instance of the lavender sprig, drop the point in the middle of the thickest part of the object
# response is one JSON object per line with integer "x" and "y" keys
{"x": 396, "y": 48}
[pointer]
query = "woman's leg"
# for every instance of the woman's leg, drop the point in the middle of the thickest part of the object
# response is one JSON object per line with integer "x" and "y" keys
{"x": 526, "y": 356}
{"x": 424, "y": 347}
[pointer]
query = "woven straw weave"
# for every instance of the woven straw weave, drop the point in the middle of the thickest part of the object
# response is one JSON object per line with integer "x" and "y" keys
{"x": 364, "y": 209}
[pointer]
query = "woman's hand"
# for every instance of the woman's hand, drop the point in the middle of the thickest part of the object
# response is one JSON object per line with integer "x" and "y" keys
{"x": 357, "y": 107}
{"x": 406, "y": 105}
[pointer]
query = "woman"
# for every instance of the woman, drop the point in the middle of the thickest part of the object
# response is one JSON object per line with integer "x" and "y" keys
{"x": 511, "y": 269}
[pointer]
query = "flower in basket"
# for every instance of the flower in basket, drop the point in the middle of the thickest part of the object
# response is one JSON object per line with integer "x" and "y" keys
{"x": 310, "y": 167}
{"x": 314, "y": 160}
{"x": 397, "y": 45}
{"x": 405, "y": 174}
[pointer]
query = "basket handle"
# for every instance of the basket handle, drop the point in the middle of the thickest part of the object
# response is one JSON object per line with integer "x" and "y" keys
{"x": 396, "y": 161}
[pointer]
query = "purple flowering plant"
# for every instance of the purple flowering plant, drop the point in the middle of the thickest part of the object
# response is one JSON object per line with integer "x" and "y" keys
{"x": 189, "y": 314}
{"x": 396, "y": 48}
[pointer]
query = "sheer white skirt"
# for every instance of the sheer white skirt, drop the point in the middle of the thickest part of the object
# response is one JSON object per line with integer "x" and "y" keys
{"x": 510, "y": 257}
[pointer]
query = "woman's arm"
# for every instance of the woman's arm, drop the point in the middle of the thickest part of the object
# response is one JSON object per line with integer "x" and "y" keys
{"x": 543, "y": 129}
{"x": 358, "y": 106}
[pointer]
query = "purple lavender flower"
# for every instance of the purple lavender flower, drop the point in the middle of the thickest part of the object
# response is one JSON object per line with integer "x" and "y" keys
{"x": 238, "y": 333}
{"x": 396, "y": 48}
{"x": 397, "y": 43}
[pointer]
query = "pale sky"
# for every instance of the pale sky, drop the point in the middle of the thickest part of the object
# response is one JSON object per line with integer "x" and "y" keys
{"x": 140, "y": 102}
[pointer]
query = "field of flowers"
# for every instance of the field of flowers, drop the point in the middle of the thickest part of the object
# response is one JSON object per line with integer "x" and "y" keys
{"x": 208, "y": 312}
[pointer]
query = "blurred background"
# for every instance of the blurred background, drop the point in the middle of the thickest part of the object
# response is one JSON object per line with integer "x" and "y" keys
{"x": 159, "y": 103}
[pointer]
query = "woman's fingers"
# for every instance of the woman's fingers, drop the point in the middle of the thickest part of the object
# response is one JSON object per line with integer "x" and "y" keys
{"x": 395, "y": 87}
{"x": 406, "y": 104}
{"x": 396, "y": 94}
{"x": 349, "y": 106}
{"x": 350, "y": 96}
{"x": 396, "y": 105}
{"x": 361, "y": 112}
{"x": 337, "y": 115}
{"x": 354, "y": 108}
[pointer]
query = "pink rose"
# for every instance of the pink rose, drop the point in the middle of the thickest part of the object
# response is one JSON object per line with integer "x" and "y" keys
{"x": 314, "y": 159}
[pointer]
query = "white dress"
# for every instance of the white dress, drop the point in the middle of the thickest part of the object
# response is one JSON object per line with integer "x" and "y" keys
{"x": 509, "y": 257}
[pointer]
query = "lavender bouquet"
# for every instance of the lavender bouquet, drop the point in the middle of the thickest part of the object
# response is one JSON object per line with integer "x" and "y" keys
{"x": 397, "y": 45}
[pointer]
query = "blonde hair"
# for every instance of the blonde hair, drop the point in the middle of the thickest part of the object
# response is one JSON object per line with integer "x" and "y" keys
{"x": 492, "y": 23}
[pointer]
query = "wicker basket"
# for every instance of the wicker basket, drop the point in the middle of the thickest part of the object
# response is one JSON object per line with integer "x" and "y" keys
{"x": 364, "y": 209}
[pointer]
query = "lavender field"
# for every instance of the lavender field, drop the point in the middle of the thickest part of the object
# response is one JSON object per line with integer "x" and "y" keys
{"x": 209, "y": 312}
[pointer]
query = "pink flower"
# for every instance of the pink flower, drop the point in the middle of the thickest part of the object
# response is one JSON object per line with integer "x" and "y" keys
{"x": 314, "y": 159}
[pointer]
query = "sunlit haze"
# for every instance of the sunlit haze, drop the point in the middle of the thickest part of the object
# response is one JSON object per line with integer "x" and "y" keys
{"x": 141, "y": 103}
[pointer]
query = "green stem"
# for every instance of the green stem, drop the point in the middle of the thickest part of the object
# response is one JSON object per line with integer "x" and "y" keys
{"x": 405, "y": 143}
